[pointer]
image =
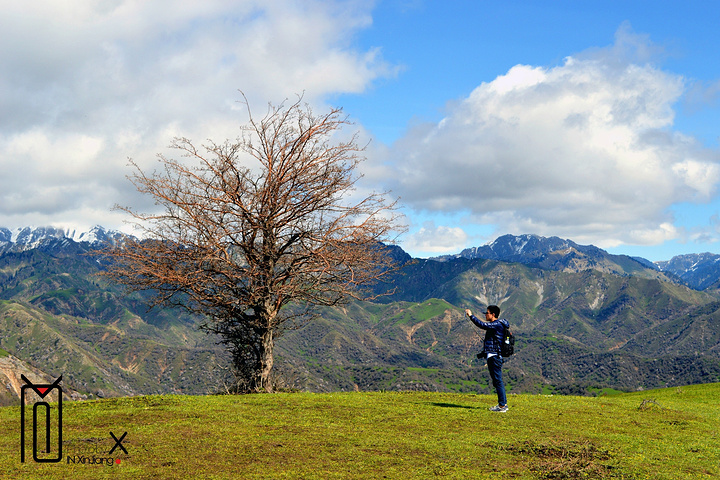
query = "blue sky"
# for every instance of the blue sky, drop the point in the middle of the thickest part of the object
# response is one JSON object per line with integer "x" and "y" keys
{"x": 446, "y": 51}
{"x": 594, "y": 121}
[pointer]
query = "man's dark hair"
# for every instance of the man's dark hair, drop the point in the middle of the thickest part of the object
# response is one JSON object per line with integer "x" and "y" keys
{"x": 494, "y": 309}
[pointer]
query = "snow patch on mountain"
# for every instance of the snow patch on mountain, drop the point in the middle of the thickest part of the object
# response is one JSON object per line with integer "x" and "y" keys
{"x": 698, "y": 270}
{"x": 28, "y": 238}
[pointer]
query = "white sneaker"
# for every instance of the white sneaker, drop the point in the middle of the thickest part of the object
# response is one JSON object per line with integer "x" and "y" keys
{"x": 498, "y": 408}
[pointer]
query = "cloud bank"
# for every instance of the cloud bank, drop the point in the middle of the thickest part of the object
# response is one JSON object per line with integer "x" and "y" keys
{"x": 434, "y": 239}
{"x": 86, "y": 84}
{"x": 584, "y": 150}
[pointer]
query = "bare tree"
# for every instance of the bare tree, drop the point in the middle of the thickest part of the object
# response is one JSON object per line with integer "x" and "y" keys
{"x": 239, "y": 242}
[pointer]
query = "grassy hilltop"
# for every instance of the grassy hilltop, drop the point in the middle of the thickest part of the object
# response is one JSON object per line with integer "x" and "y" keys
{"x": 659, "y": 434}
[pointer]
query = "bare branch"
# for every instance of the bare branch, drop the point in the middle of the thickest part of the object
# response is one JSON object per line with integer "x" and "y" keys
{"x": 248, "y": 227}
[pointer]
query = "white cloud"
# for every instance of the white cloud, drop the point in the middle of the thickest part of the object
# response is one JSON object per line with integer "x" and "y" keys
{"x": 436, "y": 239}
{"x": 584, "y": 149}
{"x": 86, "y": 84}
{"x": 698, "y": 176}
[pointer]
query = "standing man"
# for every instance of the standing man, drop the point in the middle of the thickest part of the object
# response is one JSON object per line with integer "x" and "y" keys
{"x": 494, "y": 334}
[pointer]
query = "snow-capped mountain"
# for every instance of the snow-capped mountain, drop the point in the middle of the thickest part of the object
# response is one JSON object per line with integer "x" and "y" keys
{"x": 698, "y": 270}
{"x": 28, "y": 238}
{"x": 525, "y": 248}
{"x": 559, "y": 254}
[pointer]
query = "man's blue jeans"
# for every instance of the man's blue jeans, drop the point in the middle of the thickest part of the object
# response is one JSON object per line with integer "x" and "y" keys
{"x": 494, "y": 364}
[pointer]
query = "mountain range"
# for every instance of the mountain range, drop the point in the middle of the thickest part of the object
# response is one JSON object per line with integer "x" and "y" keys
{"x": 586, "y": 321}
{"x": 698, "y": 271}
{"x": 28, "y": 238}
{"x": 554, "y": 253}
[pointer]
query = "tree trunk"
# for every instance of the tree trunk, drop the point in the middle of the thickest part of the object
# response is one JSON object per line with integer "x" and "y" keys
{"x": 265, "y": 362}
{"x": 252, "y": 356}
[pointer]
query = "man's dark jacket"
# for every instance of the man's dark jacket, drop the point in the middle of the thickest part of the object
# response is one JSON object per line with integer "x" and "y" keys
{"x": 494, "y": 333}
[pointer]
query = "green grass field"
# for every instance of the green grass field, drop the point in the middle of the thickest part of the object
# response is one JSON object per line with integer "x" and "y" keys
{"x": 659, "y": 434}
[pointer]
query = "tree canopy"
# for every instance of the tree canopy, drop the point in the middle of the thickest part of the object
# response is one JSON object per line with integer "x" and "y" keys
{"x": 249, "y": 226}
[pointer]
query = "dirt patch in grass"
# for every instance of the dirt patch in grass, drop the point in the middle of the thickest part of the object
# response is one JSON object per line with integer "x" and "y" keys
{"x": 563, "y": 459}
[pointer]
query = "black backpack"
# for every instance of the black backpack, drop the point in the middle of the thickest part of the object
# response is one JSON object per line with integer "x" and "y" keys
{"x": 507, "y": 347}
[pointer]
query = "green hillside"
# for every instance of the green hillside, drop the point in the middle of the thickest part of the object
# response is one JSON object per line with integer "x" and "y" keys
{"x": 57, "y": 314}
{"x": 578, "y": 332}
{"x": 126, "y": 356}
{"x": 658, "y": 435}
{"x": 431, "y": 346}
